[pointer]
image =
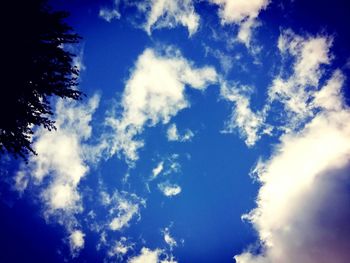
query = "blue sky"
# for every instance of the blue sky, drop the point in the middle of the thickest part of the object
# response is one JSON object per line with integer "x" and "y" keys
{"x": 212, "y": 131}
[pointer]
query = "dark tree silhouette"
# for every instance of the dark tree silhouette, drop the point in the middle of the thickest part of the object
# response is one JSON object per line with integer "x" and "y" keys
{"x": 35, "y": 67}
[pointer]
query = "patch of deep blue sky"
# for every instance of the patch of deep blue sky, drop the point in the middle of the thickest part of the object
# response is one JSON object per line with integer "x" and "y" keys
{"x": 216, "y": 188}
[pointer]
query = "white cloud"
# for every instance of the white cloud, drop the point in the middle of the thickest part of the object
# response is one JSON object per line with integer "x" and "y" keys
{"x": 168, "y": 166}
{"x": 127, "y": 212}
{"x": 154, "y": 93}
{"x": 76, "y": 240}
{"x": 330, "y": 96}
{"x": 302, "y": 210}
{"x": 21, "y": 179}
{"x": 146, "y": 256}
{"x": 168, "y": 260}
{"x": 173, "y": 134}
{"x": 156, "y": 171}
{"x": 103, "y": 239}
{"x": 109, "y": 14}
{"x": 298, "y": 91}
{"x": 245, "y": 31}
{"x": 242, "y": 13}
{"x": 62, "y": 162}
{"x": 302, "y": 204}
{"x": 250, "y": 124}
{"x": 62, "y": 196}
{"x": 106, "y": 199}
{"x": 168, "y": 14}
{"x": 169, "y": 239}
{"x": 124, "y": 207}
{"x": 172, "y": 165}
{"x": 61, "y": 159}
{"x": 309, "y": 53}
{"x": 120, "y": 248}
{"x": 152, "y": 256}
{"x": 169, "y": 189}
{"x": 226, "y": 61}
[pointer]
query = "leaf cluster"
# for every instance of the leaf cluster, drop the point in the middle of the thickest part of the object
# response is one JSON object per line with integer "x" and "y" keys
{"x": 35, "y": 68}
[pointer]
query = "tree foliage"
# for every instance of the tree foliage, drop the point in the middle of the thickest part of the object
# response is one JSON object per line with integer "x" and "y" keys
{"x": 35, "y": 67}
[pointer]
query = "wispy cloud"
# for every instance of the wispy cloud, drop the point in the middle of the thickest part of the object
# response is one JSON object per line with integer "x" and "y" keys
{"x": 168, "y": 14}
{"x": 109, "y": 14}
{"x": 122, "y": 208}
{"x": 250, "y": 124}
{"x": 242, "y": 13}
{"x": 168, "y": 166}
{"x": 120, "y": 248}
{"x": 173, "y": 134}
{"x": 296, "y": 90}
{"x": 226, "y": 61}
{"x": 154, "y": 93}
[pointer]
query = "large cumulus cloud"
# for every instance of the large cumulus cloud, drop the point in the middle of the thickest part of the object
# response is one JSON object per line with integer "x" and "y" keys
{"x": 302, "y": 210}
